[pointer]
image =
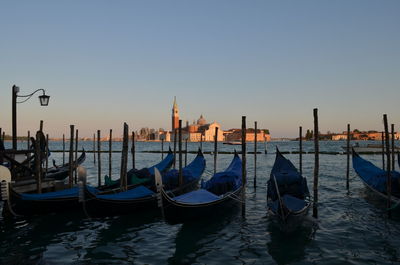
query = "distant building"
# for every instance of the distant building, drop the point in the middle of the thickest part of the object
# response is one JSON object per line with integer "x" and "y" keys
{"x": 365, "y": 135}
{"x": 235, "y": 135}
{"x": 175, "y": 116}
{"x": 203, "y": 131}
{"x": 338, "y": 137}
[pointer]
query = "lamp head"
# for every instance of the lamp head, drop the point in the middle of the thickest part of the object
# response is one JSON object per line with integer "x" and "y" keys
{"x": 44, "y": 99}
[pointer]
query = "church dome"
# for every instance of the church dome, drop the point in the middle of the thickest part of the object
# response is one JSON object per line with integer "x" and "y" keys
{"x": 201, "y": 121}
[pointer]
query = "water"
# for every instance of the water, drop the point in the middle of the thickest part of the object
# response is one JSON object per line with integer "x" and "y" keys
{"x": 352, "y": 227}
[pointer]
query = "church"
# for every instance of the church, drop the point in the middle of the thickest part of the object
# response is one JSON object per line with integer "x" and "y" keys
{"x": 195, "y": 132}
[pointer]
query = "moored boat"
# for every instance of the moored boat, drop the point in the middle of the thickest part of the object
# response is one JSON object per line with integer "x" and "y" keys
{"x": 375, "y": 178}
{"x": 137, "y": 177}
{"x": 287, "y": 193}
{"x": 142, "y": 197}
{"x": 221, "y": 192}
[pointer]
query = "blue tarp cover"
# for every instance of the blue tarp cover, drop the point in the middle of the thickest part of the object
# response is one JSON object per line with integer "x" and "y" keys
{"x": 163, "y": 165}
{"x": 138, "y": 192}
{"x": 292, "y": 203}
{"x": 197, "y": 196}
{"x": 67, "y": 193}
{"x": 134, "y": 175}
{"x": 288, "y": 179}
{"x": 191, "y": 172}
{"x": 374, "y": 176}
{"x": 228, "y": 180}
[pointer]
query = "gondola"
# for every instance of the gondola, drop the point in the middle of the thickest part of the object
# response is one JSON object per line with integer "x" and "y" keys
{"x": 141, "y": 197}
{"x": 27, "y": 204}
{"x": 61, "y": 172}
{"x": 142, "y": 176}
{"x": 221, "y": 192}
{"x": 287, "y": 193}
{"x": 375, "y": 178}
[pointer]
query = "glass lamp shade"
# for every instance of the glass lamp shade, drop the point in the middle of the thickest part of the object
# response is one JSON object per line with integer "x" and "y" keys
{"x": 44, "y": 100}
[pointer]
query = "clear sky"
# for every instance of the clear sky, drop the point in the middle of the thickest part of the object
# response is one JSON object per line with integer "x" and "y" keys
{"x": 106, "y": 62}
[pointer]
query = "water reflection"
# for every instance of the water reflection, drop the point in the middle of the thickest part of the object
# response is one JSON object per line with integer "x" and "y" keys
{"x": 193, "y": 237}
{"x": 289, "y": 247}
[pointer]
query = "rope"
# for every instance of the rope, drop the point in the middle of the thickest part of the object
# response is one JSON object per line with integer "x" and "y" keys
{"x": 234, "y": 197}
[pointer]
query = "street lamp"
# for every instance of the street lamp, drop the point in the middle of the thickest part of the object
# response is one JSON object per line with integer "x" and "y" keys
{"x": 44, "y": 101}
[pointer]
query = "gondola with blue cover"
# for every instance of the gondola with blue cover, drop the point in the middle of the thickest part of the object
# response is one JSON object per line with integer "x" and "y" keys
{"x": 221, "y": 192}
{"x": 143, "y": 176}
{"x": 287, "y": 192}
{"x": 142, "y": 197}
{"x": 375, "y": 178}
{"x": 26, "y": 204}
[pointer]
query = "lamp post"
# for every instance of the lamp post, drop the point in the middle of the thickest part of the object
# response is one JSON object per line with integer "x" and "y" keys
{"x": 44, "y": 101}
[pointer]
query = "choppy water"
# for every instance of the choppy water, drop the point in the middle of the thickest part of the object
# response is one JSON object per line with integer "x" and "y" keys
{"x": 352, "y": 227}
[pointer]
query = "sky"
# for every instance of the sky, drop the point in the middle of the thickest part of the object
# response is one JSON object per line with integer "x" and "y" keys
{"x": 108, "y": 62}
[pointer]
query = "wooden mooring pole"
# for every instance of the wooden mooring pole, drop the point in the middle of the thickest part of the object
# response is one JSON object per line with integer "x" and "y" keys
{"x": 186, "y": 151}
{"x": 201, "y": 141}
{"x": 243, "y": 165}
{"x": 71, "y": 155}
{"x": 162, "y": 148}
{"x": 348, "y": 158}
{"x": 392, "y": 137}
{"x": 180, "y": 153}
{"x": 255, "y": 155}
{"x": 175, "y": 139}
{"x": 28, "y": 147}
{"x": 76, "y": 156}
{"x": 110, "y": 154}
{"x": 316, "y": 165}
{"x": 388, "y": 166}
{"x": 47, "y": 154}
{"x": 38, "y": 163}
{"x": 98, "y": 159}
{"x": 133, "y": 150}
{"x": 215, "y": 149}
{"x": 28, "y": 141}
{"x": 383, "y": 150}
{"x": 301, "y": 150}
{"x": 124, "y": 158}
{"x": 41, "y": 126}
{"x": 94, "y": 148}
{"x": 63, "y": 156}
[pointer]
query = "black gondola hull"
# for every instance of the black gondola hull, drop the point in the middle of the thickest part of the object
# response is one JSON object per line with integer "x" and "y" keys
{"x": 175, "y": 212}
{"x": 33, "y": 207}
{"x": 95, "y": 206}
{"x": 292, "y": 221}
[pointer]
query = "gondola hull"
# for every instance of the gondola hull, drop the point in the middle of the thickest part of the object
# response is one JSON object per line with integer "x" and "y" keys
{"x": 25, "y": 207}
{"x": 95, "y": 206}
{"x": 176, "y": 212}
{"x": 287, "y": 194}
{"x": 141, "y": 198}
{"x": 375, "y": 178}
{"x": 292, "y": 221}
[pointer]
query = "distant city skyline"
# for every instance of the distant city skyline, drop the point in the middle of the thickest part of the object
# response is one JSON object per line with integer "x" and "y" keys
{"x": 106, "y": 63}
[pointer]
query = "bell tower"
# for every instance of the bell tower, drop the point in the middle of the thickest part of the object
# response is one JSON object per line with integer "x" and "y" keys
{"x": 175, "y": 116}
